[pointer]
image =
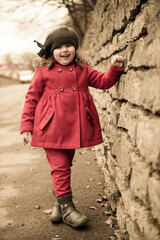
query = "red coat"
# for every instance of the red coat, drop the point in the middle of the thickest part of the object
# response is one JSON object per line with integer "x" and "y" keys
{"x": 59, "y": 110}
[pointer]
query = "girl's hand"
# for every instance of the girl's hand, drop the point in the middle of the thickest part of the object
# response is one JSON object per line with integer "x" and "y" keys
{"x": 27, "y": 136}
{"x": 117, "y": 61}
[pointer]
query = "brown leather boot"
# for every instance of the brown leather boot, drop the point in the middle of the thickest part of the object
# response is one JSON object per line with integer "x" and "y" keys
{"x": 70, "y": 214}
{"x": 56, "y": 215}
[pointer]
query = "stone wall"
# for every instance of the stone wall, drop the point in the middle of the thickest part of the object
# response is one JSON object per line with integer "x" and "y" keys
{"x": 130, "y": 111}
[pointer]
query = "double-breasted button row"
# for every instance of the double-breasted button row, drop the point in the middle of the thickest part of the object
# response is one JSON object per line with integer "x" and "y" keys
{"x": 70, "y": 69}
{"x": 60, "y": 69}
{"x": 61, "y": 89}
{"x": 73, "y": 89}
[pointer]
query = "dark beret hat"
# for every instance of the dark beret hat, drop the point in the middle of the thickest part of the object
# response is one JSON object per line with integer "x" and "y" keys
{"x": 55, "y": 39}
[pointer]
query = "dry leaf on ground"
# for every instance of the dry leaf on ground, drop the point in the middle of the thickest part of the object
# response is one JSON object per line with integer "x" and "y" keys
{"x": 109, "y": 222}
{"x": 92, "y": 207}
{"x": 81, "y": 153}
{"x": 112, "y": 238}
{"x": 118, "y": 234}
{"x": 107, "y": 212}
{"x": 87, "y": 163}
{"x": 37, "y": 207}
{"x": 56, "y": 238}
{"x": 99, "y": 200}
{"x": 48, "y": 211}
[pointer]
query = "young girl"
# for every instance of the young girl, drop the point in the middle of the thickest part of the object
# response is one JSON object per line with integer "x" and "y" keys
{"x": 60, "y": 116}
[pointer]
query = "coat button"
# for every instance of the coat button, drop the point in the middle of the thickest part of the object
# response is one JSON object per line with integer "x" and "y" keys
{"x": 73, "y": 89}
{"x": 59, "y": 70}
{"x": 61, "y": 89}
{"x": 70, "y": 69}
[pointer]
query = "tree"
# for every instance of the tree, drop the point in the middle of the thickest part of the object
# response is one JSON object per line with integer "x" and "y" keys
{"x": 78, "y": 10}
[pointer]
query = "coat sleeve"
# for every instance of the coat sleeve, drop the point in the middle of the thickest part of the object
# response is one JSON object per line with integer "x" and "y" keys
{"x": 33, "y": 95}
{"x": 104, "y": 80}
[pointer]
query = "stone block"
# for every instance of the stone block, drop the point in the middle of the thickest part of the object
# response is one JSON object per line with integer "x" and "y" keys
{"x": 142, "y": 217}
{"x": 139, "y": 178}
{"x": 150, "y": 90}
{"x": 139, "y": 24}
{"x": 128, "y": 119}
{"x": 121, "y": 180}
{"x": 154, "y": 196}
{"x": 119, "y": 15}
{"x": 149, "y": 57}
{"x": 129, "y": 87}
{"x": 111, "y": 161}
{"x": 109, "y": 128}
{"x": 133, "y": 230}
{"x": 114, "y": 109}
{"x": 148, "y": 139}
{"x": 121, "y": 216}
{"x": 122, "y": 149}
{"x": 111, "y": 189}
{"x": 141, "y": 88}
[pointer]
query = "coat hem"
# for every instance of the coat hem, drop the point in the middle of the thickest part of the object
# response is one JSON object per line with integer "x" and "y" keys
{"x": 56, "y": 146}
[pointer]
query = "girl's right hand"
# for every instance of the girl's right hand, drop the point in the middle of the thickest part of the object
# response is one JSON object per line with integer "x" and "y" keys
{"x": 27, "y": 136}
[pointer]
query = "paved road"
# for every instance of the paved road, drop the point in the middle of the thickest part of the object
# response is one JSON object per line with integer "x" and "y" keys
{"x": 25, "y": 183}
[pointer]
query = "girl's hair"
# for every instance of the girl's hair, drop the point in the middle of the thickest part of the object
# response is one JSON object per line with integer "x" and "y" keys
{"x": 49, "y": 63}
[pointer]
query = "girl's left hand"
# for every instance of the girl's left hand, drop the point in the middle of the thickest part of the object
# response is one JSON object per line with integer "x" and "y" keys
{"x": 117, "y": 61}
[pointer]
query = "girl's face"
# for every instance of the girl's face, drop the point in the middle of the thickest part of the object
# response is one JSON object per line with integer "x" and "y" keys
{"x": 64, "y": 54}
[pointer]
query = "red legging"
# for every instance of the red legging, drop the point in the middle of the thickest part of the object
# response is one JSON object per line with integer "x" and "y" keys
{"x": 60, "y": 161}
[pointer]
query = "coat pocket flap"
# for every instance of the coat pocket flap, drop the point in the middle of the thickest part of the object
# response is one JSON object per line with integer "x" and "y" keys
{"x": 47, "y": 118}
{"x": 89, "y": 112}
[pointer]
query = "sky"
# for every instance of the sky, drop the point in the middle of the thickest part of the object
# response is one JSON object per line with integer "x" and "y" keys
{"x": 23, "y": 21}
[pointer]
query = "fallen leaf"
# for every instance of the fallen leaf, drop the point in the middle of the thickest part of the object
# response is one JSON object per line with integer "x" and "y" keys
{"x": 107, "y": 213}
{"x": 102, "y": 204}
{"x": 99, "y": 200}
{"x": 87, "y": 163}
{"x": 81, "y": 153}
{"x": 118, "y": 234}
{"x": 112, "y": 237}
{"x": 107, "y": 205}
{"x": 93, "y": 208}
{"x": 109, "y": 222}
{"x": 48, "y": 211}
{"x": 37, "y": 207}
{"x": 113, "y": 218}
{"x": 56, "y": 237}
{"x": 104, "y": 198}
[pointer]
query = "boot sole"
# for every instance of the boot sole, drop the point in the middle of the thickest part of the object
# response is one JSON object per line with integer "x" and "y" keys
{"x": 77, "y": 224}
{"x": 56, "y": 220}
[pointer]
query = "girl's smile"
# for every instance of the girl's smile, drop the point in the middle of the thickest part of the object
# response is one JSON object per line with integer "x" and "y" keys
{"x": 64, "y": 54}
